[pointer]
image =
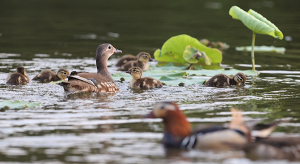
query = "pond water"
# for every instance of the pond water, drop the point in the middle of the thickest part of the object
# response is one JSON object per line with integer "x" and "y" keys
{"x": 107, "y": 128}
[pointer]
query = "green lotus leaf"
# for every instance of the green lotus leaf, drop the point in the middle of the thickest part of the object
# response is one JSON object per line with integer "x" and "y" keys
{"x": 255, "y": 22}
{"x": 18, "y": 104}
{"x": 172, "y": 50}
{"x": 280, "y": 50}
{"x": 278, "y": 33}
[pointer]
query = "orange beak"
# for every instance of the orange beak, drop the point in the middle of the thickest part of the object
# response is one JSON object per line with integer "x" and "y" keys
{"x": 150, "y": 115}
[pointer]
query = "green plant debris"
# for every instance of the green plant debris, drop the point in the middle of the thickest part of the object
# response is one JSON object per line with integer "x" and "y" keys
{"x": 192, "y": 55}
{"x": 172, "y": 50}
{"x": 280, "y": 50}
{"x": 6, "y": 104}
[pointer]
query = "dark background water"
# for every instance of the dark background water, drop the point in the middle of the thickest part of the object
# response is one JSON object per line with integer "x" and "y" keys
{"x": 108, "y": 128}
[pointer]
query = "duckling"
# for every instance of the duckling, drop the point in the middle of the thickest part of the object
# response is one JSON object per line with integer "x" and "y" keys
{"x": 100, "y": 82}
{"x": 222, "y": 80}
{"x": 18, "y": 78}
{"x": 124, "y": 59}
{"x": 142, "y": 83}
{"x": 48, "y": 76}
{"x": 142, "y": 62}
{"x": 179, "y": 134}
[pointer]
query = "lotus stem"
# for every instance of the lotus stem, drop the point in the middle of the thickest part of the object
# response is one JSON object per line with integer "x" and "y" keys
{"x": 252, "y": 53}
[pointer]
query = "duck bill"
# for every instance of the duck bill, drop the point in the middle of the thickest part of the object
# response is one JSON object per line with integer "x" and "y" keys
{"x": 117, "y": 51}
{"x": 150, "y": 115}
{"x": 150, "y": 60}
{"x": 128, "y": 72}
{"x": 243, "y": 84}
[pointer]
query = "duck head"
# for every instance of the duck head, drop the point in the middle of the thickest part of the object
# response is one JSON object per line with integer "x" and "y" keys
{"x": 63, "y": 73}
{"x": 240, "y": 79}
{"x": 103, "y": 52}
{"x": 144, "y": 57}
{"x": 135, "y": 72}
{"x": 21, "y": 70}
{"x": 174, "y": 120}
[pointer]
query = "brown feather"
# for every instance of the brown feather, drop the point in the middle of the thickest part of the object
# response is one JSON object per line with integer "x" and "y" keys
{"x": 141, "y": 62}
{"x": 124, "y": 59}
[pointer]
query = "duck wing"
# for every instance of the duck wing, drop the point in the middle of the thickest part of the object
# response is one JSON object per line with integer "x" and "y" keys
{"x": 89, "y": 82}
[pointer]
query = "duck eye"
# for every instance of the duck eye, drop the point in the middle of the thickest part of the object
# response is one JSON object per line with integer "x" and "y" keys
{"x": 109, "y": 47}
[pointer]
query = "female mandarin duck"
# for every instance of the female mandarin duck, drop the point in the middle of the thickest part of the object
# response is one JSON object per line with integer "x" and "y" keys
{"x": 222, "y": 80}
{"x": 141, "y": 62}
{"x": 48, "y": 76}
{"x": 178, "y": 132}
{"x": 124, "y": 59}
{"x": 142, "y": 83}
{"x": 18, "y": 78}
{"x": 100, "y": 82}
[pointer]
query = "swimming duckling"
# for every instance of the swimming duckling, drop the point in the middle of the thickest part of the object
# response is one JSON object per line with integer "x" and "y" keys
{"x": 18, "y": 78}
{"x": 100, "y": 82}
{"x": 142, "y": 83}
{"x": 124, "y": 59}
{"x": 48, "y": 76}
{"x": 222, "y": 80}
{"x": 142, "y": 62}
{"x": 179, "y": 134}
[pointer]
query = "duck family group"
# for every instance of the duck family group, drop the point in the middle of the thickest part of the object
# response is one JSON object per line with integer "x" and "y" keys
{"x": 251, "y": 136}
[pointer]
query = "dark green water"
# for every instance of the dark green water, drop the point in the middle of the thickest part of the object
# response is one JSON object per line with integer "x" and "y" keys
{"x": 108, "y": 128}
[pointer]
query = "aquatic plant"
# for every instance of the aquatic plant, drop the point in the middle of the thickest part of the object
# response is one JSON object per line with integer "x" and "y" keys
{"x": 6, "y": 104}
{"x": 257, "y": 23}
{"x": 186, "y": 49}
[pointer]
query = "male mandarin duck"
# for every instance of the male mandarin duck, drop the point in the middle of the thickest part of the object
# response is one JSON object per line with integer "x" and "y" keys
{"x": 124, "y": 59}
{"x": 48, "y": 76}
{"x": 249, "y": 136}
{"x": 141, "y": 62}
{"x": 138, "y": 82}
{"x": 179, "y": 134}
{"x": 100, "y": 82}
{"x": 18, "y": 78}
{"x": 222, "y": 80}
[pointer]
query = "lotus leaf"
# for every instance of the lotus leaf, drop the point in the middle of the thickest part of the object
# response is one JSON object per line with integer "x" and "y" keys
{"x": 172, "y": 50}
{"x": 18, "y": 104}
{"x": 255, "y": 22}
{"x": 280, "y": 50}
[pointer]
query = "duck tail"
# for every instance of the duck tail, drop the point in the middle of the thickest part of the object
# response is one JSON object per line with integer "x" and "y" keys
{"x": 237, "y": 123}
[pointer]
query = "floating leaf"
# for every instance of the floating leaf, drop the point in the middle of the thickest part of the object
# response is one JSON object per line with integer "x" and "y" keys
{"x": 280, "y": 50}
{"x": 173, "y": 75}
{"x": 18, "y": 104}
{"x": 255, "y": 22}
{"x": 172, "y": 50}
